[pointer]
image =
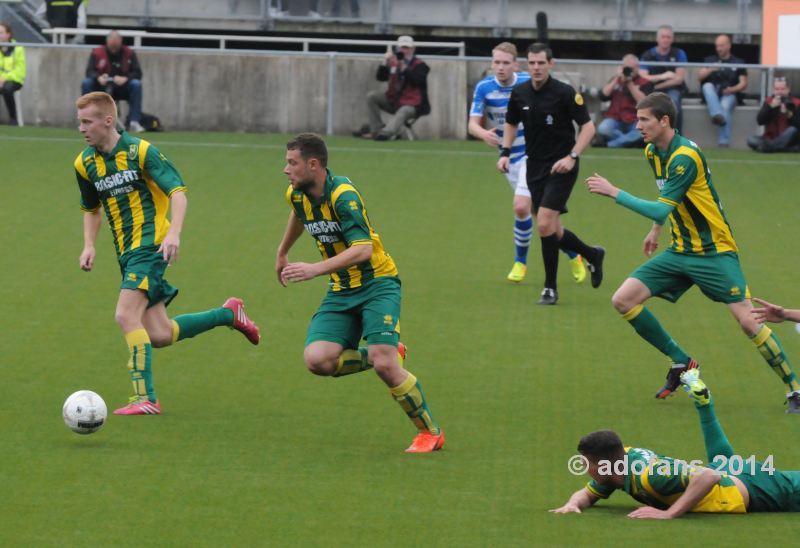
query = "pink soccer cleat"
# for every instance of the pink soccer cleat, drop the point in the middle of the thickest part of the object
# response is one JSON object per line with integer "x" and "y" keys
{"x": 241, "y": 322}
{"x": 139, "y": 406}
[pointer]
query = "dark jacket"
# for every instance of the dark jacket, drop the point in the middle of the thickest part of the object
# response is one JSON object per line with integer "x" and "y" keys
{"x": 775, "y": 124}
{"x": 63, "y": 13}
{"x": 409, "y": 87}
{"x": 124, "y": 63}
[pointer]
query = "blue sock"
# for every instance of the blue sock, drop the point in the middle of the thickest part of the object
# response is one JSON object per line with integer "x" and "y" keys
{"x": 571, "y": 254}
{"x": 523, "y": 229}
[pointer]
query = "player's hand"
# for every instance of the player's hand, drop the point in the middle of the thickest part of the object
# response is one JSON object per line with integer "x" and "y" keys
{"x": 502, "y": 164}
{"x": 651, "y": 242}
{"x": 598, "y": 184}
{"x": 568, "y": 508}
{"x": 86, "y": 259}
{"x": 298, "y": 272}
{"x": 648, "y": 512}
{"x": 774, "y": 313}
{"x": 280, "y": 264}
{"x": 490, "y": 137}
{"x": 564, "y": 165}
{"x": 169, "y": 248}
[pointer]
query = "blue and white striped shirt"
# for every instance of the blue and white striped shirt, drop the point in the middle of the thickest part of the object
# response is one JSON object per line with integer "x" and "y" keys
{"x": 491, "y": 98}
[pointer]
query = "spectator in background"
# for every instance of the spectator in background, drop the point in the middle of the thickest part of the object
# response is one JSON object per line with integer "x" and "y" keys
{"x": 12, "y": 70}
{"x": 114, "y": 69}
{"x": 69, "y": 14}
{"x": 779, "y": 116}
{"x": 669, "y": 79}
{"x": 625, "y": 89}
{"x": 722, "y": 87}
{"x": 336, "y": 8}
{"x": 406, "y": 97}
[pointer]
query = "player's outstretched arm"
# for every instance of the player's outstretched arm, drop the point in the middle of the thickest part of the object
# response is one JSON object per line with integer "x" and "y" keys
{"x": 170, "y": 245}
{"x": 91, "y": 226}
{"x": 700, "y": 484}
{"x": 774, "y": 313}
{"x": 657, "y": 211}
{"x": 294, "y": 228}
{"x": 579, "y": 501}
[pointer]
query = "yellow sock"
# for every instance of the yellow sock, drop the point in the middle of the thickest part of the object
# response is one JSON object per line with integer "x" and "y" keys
{"x": 411, "y": 398}
{"x": 771, "y": 350}
{"x": 139, "y": 364}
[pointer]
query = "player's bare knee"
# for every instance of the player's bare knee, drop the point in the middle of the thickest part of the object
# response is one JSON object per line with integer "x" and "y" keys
{"x": 318, "y": 363}
{"x": 126, "y": 320}
{"x": 384, "y": 361}
{"x": 621, "y": 302}
{"x": 160, "y": 339}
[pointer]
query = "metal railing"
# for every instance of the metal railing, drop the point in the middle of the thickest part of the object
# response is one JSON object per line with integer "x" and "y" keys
{"x": 59, "y": 36}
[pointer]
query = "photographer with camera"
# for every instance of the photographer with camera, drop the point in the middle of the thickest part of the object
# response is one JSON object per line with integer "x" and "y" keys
{"x": 626, "y": 88}
{"x": 722, "y": 87}
{"x": 114, "y": 69}
{"x": 406, "y": 96}
{"x": 781, "y": 120}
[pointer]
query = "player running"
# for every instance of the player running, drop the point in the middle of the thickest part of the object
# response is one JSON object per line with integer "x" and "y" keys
{"x": 670, "y": 488}
{"x": 491, "y": 100}
{"x": 136, "y": 186}
{"x": 703, "y": 250}
{"x": 364, "y": 296}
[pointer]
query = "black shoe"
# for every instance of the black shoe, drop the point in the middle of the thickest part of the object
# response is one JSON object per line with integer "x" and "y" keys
{"x": 718, "y": 120}
{"x": 363, "y": 130}
{"x": 382, "y": 136}
{"x": 596, "y": 266}
{"x": 674, "y": 378}
{"x": 793, "y": 403}
{"x": 549, "y": 296}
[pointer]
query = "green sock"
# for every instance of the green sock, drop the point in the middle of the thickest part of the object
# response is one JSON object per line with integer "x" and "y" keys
{"x": 187, "y": 326}
{"x": 714, "y": 438}
{"x": 772, "y": 351}
{"x": 139, "y": 364}
{"x": 353, "y": 361}
{"x": 649, "y": 328}
{"x": 411, "y": 398}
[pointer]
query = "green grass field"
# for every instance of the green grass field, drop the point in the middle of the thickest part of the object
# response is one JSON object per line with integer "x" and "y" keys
{"x": 253, "y": 450}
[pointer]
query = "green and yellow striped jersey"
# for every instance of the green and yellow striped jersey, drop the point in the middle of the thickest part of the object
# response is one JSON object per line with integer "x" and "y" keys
{"x": 659, "y": 481}
{"x": 336, "y": 221}
{"x": 699, "y": 226}
{"x": 133, "y": 183}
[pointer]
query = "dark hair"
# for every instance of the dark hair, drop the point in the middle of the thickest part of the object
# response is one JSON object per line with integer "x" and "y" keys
{"x": 538, "y": 47}
{"x": 310, "y": 146}
{"x": 660, "y": 104}
{"x": 8, "y": 28}
{"x": 601, "y": 445}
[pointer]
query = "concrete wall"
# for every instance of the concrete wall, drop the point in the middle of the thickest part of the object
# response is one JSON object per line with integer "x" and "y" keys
{"x": 243, "y": 92}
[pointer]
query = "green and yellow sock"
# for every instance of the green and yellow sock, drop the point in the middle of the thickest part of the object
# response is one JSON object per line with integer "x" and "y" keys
{"x": 771, "y": 350}
{"x": 352, "y": 361}
{"x": 713, "y": 436}
{"x": 411, "y": 398}
{"x": 187, "y": 326}
{"x": 649, "y": 328}
{"x": 139, "y": 364}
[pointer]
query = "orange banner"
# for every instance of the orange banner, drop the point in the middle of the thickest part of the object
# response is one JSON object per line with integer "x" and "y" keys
{"x": 780, "y": 41}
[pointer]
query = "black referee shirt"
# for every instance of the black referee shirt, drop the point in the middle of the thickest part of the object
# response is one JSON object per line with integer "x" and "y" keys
{"x": 547, "y": 115}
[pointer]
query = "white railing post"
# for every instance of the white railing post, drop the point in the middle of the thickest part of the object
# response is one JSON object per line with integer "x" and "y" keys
{"x": 331, "y": 92}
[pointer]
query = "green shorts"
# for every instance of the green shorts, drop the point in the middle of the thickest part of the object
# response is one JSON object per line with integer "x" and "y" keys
{"x": 669, "y": 275}
{"x": 775, "y": 492}
{"x": 371, "y": 312}
{"x": 143, "y": 268}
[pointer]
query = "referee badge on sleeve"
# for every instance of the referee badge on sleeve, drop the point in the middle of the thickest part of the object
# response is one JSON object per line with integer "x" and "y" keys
{"x": 578, "y": 99}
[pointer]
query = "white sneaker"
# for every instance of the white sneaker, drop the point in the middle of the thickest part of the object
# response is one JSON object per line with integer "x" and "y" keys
{"x": 136, "y": 127}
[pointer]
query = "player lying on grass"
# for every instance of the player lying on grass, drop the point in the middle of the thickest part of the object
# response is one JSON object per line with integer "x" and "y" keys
{"x": 703, "y": 251}
{"x": 136, "y": 185}
{"x": 670, "y": 488}
{"x": 363, "y": 299}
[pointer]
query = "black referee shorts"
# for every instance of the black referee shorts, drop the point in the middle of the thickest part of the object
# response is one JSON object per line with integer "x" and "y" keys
{"x": 550, "y": 190}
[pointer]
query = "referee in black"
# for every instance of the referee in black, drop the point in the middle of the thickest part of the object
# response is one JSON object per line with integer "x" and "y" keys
{"x": 547, "y": 108}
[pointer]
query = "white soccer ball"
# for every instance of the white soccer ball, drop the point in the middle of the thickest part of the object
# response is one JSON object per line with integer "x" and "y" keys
{"x": 85, "y": 412}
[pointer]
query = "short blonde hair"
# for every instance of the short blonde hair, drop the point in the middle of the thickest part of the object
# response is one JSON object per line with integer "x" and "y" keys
{"x": 103, "y": 101}
{"x": 506, "y": 47}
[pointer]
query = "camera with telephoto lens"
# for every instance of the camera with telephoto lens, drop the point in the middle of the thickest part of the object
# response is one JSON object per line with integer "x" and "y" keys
{"x": 627, "y": 72}
{"x": 400, "y": 55}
